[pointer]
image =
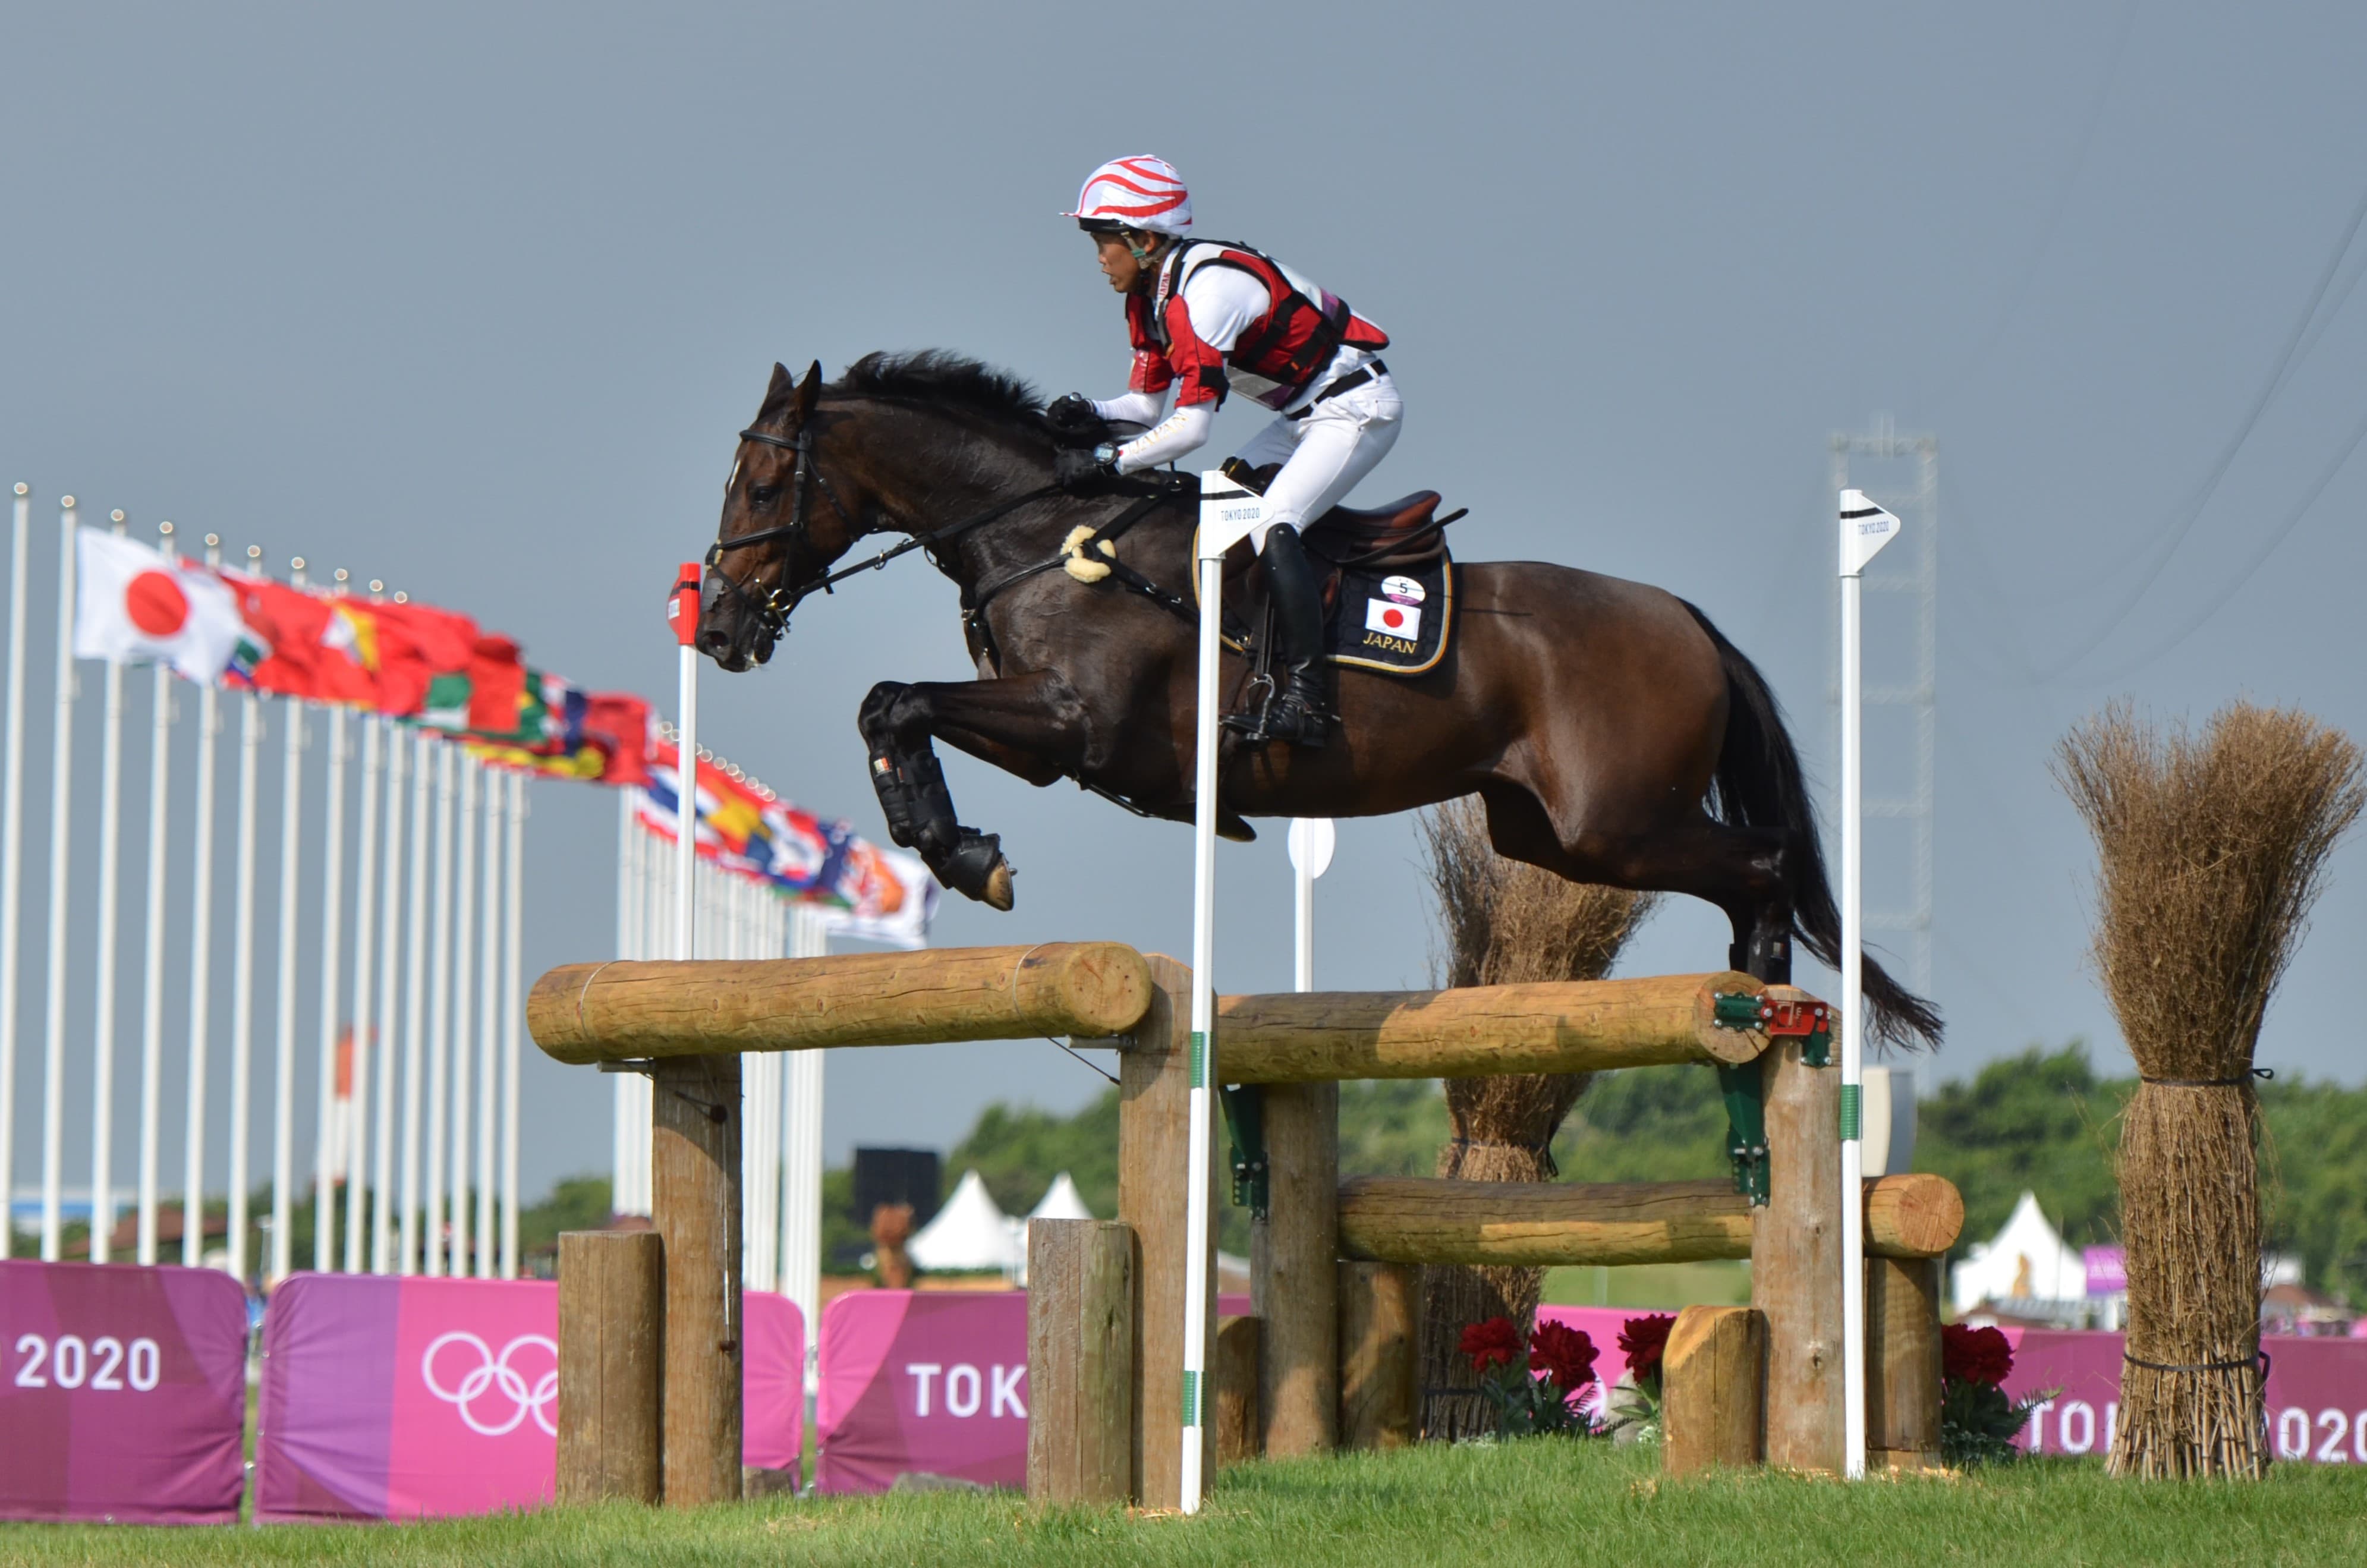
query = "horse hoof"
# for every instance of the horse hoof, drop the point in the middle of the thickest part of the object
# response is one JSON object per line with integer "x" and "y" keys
{"x": 998, "y": 886}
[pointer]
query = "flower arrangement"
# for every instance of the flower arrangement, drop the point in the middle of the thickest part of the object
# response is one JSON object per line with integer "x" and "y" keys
{"x": 1533, "y": 1387}
{"x": 1977, "y": 1422}
{"x": 1635, "y": 1405}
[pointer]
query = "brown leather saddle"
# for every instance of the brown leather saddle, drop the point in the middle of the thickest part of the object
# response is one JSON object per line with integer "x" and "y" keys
{"x": 1405, "y": 535}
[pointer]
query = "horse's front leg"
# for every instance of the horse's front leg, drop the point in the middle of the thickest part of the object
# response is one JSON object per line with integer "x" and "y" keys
{"x": 1031, "y": 725}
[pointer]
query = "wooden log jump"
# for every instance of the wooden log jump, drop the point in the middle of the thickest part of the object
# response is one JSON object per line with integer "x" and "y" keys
{"x": 1427, "y": 1220}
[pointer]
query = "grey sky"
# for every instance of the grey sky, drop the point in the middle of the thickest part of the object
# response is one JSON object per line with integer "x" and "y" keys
{"x": 473, "y": 299}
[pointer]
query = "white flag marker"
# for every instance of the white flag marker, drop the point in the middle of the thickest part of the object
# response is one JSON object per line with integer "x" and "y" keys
{"x": 1311, "y": 841}
{"x": 1865, "y": 528}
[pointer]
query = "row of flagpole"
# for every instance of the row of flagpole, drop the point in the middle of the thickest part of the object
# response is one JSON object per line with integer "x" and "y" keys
{"x": 457, "y": 1004}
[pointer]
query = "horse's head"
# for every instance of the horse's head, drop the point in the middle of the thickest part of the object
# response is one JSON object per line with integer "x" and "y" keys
{"x": 783, "y": 526}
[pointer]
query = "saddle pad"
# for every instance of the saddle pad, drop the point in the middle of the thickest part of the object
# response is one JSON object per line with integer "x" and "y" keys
{"x": 1396, "y": 623}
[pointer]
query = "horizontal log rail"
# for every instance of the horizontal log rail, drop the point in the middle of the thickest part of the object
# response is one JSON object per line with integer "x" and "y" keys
{"x": 1572, "y": 1026}
{"x": 629, "y": 1010}
{"x": 1426, "y": 1220}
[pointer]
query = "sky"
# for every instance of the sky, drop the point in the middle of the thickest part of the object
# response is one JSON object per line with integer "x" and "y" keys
{"x": 472, "y": 299}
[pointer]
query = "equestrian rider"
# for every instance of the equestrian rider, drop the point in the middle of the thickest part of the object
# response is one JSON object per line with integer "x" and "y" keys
{"x": 1214, "y": 317}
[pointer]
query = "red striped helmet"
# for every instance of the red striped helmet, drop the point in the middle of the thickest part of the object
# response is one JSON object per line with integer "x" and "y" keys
{"x": 1140, "y": 192}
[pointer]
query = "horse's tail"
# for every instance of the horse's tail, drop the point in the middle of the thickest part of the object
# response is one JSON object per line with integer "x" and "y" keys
{"x": 1759, "y": 784}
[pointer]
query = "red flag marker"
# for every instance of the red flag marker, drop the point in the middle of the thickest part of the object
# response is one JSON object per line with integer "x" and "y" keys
{"x": 681, "y": 605}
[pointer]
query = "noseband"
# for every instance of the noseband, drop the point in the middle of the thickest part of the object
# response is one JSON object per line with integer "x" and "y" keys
{"x": 772, "y": 611}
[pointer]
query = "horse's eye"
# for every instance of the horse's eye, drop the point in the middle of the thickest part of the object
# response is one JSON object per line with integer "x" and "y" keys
{"x": 763, "y": 495}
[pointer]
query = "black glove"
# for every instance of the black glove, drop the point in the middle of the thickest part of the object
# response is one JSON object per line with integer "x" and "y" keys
{"x": 1074, "y": 423}
{"x": 1083, "y": 470}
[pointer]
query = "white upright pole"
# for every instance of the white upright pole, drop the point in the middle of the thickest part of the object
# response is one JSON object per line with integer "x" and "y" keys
{"x": 201, "y": 967}
{"x": 333, "y": 944}
{"x": 242, "y": 982}
{"x": 464, "y": 1026}
{"x": 53, "y": 1044}
{"x": 1310, "y": 840}
{"x": 439, "y": 1009}
{"x": 151, "y": 979}
{"x": 685, "y": 838}
{"x": 111, "y": 856}
{"x": 513, "y": 1023}
{"x": 802, "y": 1160}
{"x": 629, "y": 910}
{"x": 1864, "y": 529}
{"x": 414, "y": 997}
{"x": 12, "y": 862}
{"x": 283, "y": 1055}
{"x": 363, "y": 1202}
{"x": 489, "y": 1024}
{"x": 383, "y": 1201}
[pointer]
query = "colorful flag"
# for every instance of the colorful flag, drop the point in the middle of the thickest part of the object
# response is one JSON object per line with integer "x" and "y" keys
{"x": 131, "y": 602}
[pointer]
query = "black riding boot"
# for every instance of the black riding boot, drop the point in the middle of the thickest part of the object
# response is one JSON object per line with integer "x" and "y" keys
{"x": 1297, "y": 713}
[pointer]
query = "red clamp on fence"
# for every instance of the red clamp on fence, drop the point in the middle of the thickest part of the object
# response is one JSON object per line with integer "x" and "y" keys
{"x": 681, "y": 605}
{"x": 1791, "y": 1015}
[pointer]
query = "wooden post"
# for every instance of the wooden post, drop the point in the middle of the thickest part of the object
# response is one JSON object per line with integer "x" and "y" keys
{"x": 694, "y": 1119}
{"x": 1080, "y": 1356}
{"x": 1380, "y": 1323}
{"x": 1711, "y": 1376}
{"x": 1293, "y": 1270}
{"x": 1795, "y": 1261}
{"x": 1902, "y": 1363}
{"x": 611, "y": 1352}
{"x": 1154, "y": 1131}
{"x": 1235, "y": 1373}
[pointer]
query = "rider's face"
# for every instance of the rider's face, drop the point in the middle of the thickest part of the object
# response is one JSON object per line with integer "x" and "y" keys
{"x": 1116, "y": 251}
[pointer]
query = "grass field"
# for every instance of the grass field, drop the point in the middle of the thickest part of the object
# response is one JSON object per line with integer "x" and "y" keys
{"x": 1544, "y": 1501}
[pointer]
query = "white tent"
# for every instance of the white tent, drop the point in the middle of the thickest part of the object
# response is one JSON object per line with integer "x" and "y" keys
{"x": 1062, "y": 1201}
{"x": 970, "y": 1232}
{"x": 2025, "y": 1261}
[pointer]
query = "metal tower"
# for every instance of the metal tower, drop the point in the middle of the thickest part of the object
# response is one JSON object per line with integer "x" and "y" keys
{"x": 1902, "y": 475}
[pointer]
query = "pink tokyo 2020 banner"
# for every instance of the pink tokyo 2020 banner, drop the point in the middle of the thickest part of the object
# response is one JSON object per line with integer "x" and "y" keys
{"x": 2317, "y": 1394}
{"x": 124, "y": 1397}
{"x": 411, "y": 1398}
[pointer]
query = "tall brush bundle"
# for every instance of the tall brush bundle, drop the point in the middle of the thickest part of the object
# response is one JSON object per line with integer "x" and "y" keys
{"x": 2212, "y": 849}
{"x": 1505, "y": 922}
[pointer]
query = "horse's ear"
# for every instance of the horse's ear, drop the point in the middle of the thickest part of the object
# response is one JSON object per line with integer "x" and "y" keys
{"x": 778, "y": 392}
{"x": 809, "y": 391}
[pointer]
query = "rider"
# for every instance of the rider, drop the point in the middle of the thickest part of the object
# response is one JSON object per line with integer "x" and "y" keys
{"x": 1216, "y": 316}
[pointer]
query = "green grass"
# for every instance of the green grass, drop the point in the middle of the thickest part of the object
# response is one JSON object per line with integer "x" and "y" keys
{"x": 1651, "y": 1287}
{"x": 1544, "y": 1501}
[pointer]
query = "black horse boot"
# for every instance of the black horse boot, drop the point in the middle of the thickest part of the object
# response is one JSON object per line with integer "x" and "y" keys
{"x": 1296, "y": 713}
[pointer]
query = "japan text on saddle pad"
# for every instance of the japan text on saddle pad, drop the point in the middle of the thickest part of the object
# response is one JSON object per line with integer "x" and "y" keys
{"x": 1392, "y": 620}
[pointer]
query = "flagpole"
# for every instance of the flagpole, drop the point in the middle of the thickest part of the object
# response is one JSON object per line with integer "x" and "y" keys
{"x": 283, "y": 1055}
{"x": 53, "y": 1044}
{"x": 12, "y": 861}
{"x": 629, "y": 910}
{"x": 389, "y": 958}
{"x": 242, "y": 1006}
{"x": 489, "y": 1023}
{"x": 414, "y": 997}
{"x": 439, "y": 1012}
{"x": 110, "y": 857}
{"x": 201, "y": 963}
{"x": 801, "y": 1176}
{"x": 464, "y": 974}
{"x": 512, "y": 1023}
{"x": 152, "y": 985}
{"x": 332, "y": 937}
{"x": 362, "y": 1202}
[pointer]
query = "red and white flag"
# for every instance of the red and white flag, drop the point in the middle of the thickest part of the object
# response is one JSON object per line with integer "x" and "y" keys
{"x": 132, "y": 603}
{"x": 1393, "y": 620}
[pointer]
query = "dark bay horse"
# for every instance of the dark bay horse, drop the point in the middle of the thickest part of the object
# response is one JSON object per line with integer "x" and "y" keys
{"x": 1613, "y": 734}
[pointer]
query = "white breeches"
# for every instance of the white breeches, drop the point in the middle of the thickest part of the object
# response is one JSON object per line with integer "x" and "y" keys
{"x": 1324, "y": 455}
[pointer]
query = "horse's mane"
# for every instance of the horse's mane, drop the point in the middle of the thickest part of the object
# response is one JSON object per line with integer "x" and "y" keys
{"x": 939, "y": 376}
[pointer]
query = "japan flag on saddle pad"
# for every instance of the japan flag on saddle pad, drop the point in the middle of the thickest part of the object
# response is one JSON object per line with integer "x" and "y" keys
{"x": 130, "y": 603}
{"x": 1393, "y": 620}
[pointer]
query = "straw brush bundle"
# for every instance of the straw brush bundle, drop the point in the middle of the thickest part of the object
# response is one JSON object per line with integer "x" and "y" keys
{"x": 1504, "y": 922}
{"x": 2212, "y": 849}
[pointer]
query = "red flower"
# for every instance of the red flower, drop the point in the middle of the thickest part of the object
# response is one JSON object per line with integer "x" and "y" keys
{"x": 1644, "y": 1340}
{"x": 1494, "y": 1343}
{"x": 1975, "y": 1355}
{"x": 1564, "y": 1354}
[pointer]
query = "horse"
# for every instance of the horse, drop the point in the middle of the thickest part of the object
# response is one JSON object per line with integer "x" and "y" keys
{"x": 1612, "y": 733}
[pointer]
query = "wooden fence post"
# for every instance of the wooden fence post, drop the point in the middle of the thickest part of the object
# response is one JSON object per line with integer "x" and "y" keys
{"x": 611, "y": 1351}
{"x": 1293, "y": 1269}
{"x": 1902, "y": 1362}
{"x": 695, "y": 1196}
{"x": 1154, "y": 1133}
{"x": 1380, "y": 1324}
{"x": 1711, "y": 1376}
{"x": 1239, "y": 1351}
{"x": 1079, "y": 1361}
{"x": 1796, "y": 1260}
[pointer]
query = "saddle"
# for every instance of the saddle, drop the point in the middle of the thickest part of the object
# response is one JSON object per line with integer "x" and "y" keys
{"x": 1402, "y": 536}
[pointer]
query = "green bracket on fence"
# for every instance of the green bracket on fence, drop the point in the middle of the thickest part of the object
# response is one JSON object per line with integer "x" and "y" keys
{"x": 1734, "y": 1009}
{"x": 1746, "y": 1128}
{"x": 1245, "y": 1119}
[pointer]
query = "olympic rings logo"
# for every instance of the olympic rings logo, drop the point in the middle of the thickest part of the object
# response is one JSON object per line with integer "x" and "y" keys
{"x": 495, "y": 1372}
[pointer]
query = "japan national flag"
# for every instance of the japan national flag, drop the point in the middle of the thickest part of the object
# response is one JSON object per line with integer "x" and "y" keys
{"x": 132, "y": 603}
{"x": 1393, "y": 620}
